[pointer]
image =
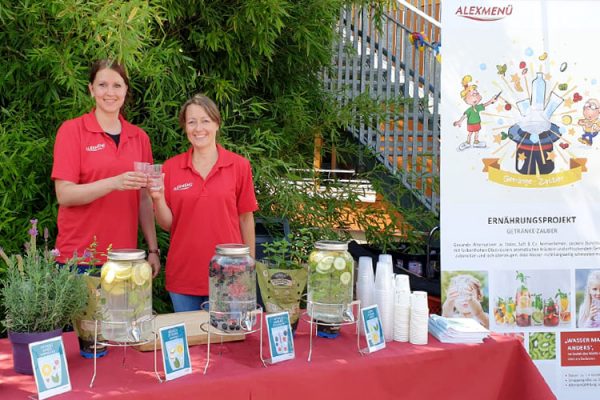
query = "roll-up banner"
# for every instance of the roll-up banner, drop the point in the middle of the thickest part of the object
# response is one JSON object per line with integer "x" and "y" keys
{"x": 520, "y": 179}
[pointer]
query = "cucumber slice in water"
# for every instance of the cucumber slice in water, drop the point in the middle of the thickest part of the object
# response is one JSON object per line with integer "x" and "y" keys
{"x": 339, "y": 263}
{"x": 346, "y": 278}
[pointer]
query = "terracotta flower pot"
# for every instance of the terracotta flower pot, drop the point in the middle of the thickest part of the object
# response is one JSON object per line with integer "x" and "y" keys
{"x": 20, "y": 346}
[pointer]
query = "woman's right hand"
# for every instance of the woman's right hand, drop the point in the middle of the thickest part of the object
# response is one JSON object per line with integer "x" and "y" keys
{"x": 130, "y": 180}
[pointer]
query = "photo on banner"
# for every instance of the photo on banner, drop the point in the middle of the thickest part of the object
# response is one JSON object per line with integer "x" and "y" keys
{"x": 520, "y": 166}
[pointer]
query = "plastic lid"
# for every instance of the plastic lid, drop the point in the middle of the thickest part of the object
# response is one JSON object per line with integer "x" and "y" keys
{"x": 232, "y": 249}
{"x": 331, "y": 245}
{"x": 126, "y": 254}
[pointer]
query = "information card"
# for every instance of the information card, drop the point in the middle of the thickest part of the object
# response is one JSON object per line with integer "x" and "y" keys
{"x": 373, "y": 329}
{"x": 281, "y": 341}
{"x": 175, "y": 351}
{"x": 50, "y": 367}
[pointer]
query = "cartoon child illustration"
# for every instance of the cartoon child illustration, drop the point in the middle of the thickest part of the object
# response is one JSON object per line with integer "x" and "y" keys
{"x": 589, "y": 311}
{"x": 472, "y": 97}
{"x": 590, "y": 122}
{"x": 464, "y": 299}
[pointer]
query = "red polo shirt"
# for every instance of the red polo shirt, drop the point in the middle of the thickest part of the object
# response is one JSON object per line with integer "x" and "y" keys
{"x": 83, "y": 153}
{"x": 205, "y": 213}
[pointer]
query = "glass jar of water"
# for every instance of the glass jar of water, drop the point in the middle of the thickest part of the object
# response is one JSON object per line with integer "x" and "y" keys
{"x": 232, "y": 293}
{"x": 330, "y": 282}
{"x": 126, "y": 296}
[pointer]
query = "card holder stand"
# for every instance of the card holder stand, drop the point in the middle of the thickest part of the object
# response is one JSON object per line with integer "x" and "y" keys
{"x": 150, "y": 319}
{"x": 313, "y": 323}
{"x": 257, "y": 313}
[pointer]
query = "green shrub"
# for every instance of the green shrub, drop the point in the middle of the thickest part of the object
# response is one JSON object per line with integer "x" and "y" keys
{"x": 260, "y": 60}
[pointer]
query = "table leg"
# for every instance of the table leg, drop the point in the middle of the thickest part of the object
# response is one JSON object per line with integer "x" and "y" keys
{"x": 261, "y": 340}
{"x": 208, "y": 349}
{"x": 95, "y": 347}
{"x": 310, "y": 341}
{"x": 155, "y": 366}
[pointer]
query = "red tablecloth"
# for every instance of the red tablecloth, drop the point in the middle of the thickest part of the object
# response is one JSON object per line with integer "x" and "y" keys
{"x": 498, "y": 369}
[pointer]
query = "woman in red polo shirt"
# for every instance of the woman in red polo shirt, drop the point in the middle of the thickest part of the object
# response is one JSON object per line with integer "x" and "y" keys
{"x": 98, "y": 193}
{"x": 207, "y": 199}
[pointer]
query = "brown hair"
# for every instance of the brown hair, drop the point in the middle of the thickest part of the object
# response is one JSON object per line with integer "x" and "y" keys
{"x": 110, "y": 64}
{"x": 99, "y": 65}
{"x": 207, "y": 105}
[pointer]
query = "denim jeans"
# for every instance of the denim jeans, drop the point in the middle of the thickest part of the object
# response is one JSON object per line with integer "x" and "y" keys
{"x": 186, "y": 302}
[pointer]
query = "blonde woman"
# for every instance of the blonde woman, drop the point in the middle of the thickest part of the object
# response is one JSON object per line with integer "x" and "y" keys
{"x": 471, "y": 96}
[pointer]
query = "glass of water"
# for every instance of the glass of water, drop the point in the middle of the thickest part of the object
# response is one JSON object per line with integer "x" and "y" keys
{"x": 154, "y": 172}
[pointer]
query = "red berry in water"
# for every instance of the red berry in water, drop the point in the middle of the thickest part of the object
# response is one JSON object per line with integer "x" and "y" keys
{"x": 507, "y": 107}
{"x": 522, "y": 64}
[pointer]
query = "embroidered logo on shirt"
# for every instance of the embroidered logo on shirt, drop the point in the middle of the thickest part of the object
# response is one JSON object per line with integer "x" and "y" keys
{"x": 98, "y": 147}
{"x": 183, "y": 186}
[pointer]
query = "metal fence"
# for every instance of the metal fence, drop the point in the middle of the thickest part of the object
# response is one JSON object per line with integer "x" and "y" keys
{"x": 393, "y": 58}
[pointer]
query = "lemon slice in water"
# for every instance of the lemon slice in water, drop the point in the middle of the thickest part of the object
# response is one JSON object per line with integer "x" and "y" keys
{"x": 109, "y": 276}
{"x": 117, "y": 288}
{"x": 123, "y": 273}
{"x": 142, "y": 273}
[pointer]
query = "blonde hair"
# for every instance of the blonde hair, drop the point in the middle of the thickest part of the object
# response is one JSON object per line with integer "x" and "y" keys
{"x": 584, "y": 310}
{"x": 466, "y": 87}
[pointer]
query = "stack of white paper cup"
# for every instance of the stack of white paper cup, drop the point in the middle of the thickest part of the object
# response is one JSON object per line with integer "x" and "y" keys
{"x": 419, "y": 317}
{"x": 384, "y": 271}
{"x": 402, "y": 283}
{"x": 365, "y": 282}
{"x": 384, "y": 297}
{"x": 387, "y": 258}
{"x": 402, "y": 316}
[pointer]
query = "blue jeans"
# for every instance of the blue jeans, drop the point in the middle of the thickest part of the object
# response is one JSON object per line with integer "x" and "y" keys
{"x": 186, "y": 302}
{"x": 589, "y": 136}
{"x": 84, "y": 268}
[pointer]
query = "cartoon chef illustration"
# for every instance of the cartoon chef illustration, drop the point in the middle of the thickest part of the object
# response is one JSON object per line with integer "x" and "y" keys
{"x": 590, "y": 122}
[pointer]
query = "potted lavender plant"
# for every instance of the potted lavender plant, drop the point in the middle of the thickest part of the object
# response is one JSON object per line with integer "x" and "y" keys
{"x": 40, "y": 298}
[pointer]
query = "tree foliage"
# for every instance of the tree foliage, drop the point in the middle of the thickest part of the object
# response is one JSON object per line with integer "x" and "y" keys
{"x": 260, "y": 60}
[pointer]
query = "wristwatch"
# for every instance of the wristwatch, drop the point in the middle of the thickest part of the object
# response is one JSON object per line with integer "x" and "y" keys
{"x": 155, "y": 251}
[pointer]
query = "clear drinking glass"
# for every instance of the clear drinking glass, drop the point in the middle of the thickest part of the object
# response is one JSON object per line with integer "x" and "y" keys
{"x": 140, "y": 166}
{"x": 155, "y": 174}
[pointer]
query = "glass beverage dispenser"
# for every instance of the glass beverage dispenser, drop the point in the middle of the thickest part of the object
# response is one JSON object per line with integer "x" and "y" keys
{"x": 330, "y": 282}
{"x": 232, "y": 293}
{"x": 126, "y": 296}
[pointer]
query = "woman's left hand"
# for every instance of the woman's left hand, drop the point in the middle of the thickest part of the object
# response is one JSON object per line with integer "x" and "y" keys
{"x": 154, "y": 261}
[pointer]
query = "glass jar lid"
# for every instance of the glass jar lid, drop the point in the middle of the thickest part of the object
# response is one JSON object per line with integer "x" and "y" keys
{"x": 232, "y": 249}
{"x": 126, "y": 254}
{"x": 331, "y": 245}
